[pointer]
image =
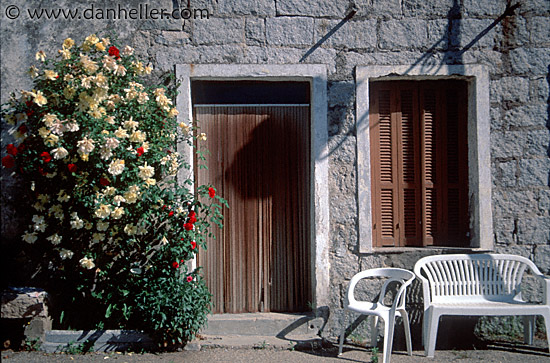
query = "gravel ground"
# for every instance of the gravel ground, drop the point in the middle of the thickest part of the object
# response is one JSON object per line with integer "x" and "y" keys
{"x": 494, "y": 354}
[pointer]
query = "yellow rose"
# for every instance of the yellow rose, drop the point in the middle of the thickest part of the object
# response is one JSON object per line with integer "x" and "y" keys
{"x": 40, "y": 55}
{"x": 39, "y": 98}
{"x": 68, "y": 43}
{"x": 51, "y": 75}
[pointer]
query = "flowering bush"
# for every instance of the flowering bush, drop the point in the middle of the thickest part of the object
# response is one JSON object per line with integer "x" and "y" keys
{"x": 111, "y": 228}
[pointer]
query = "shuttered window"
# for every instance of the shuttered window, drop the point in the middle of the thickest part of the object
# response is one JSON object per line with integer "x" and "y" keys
{"x": 419, "y": 159}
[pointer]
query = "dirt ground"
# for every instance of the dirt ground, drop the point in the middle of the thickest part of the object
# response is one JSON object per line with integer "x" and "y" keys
{"x": 498, "y": 353}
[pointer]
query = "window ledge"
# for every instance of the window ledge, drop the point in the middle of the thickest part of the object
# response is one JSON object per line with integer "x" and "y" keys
{"x": 424, "y": 249}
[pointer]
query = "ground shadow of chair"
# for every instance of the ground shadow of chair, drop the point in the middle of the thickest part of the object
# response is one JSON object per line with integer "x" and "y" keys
{"x": 378, "y": 309}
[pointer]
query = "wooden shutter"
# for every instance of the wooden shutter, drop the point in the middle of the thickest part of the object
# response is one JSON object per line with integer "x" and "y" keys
{"x": 384, "y": 137}
{"x": 419, "y": 163}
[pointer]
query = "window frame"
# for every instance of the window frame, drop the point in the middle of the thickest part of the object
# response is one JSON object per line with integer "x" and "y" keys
{"x": 479, "y": 161}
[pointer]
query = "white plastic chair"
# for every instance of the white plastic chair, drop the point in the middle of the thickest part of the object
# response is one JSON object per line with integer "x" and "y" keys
{"x": 379, "y": 310}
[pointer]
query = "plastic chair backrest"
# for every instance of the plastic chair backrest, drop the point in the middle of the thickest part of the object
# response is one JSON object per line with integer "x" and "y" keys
{"x": 404, "y": 277}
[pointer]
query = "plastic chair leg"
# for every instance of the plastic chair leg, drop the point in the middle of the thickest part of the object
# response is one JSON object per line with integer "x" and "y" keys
{"x": 407, "y": 328}
{"x": 389, "y": 326}
{"x": 528, "y": 329}
{"x": 341, "y": 343}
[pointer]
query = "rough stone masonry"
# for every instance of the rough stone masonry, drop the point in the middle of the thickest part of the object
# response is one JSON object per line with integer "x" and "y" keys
{"x": 515, "y": 48}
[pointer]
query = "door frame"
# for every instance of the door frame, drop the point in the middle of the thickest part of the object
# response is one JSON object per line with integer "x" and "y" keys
{"x": 316, "y": 75}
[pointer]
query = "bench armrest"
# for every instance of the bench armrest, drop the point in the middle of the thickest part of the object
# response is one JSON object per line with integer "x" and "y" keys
{"x": 546, "y": 288}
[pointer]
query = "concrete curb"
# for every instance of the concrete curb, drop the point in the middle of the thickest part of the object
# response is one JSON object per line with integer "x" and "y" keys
{"x": 56, "y": 341}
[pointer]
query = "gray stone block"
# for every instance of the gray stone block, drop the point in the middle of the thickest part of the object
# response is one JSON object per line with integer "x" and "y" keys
{"x": 30, "y": 303}
{"x": 341, "y": 94}
{"x": 534, "y": 173}
{"x": 504, "y": 230}
{"x": 542, "y": 259}
{"x": 403, "y": 34}
{"x": 507, "y": 144}
{"x": 539, "y": 91}
{"x": 538, "y": 28}
{"x": 530, "y": 61}
{"x": 218, "y": 31}
{"x": 510, "y": 89}
{"x": 528, "y": 115}
{"x": 505, "y": 174}
{"x": 538, "y": 143}
{"x": 438, "y": 34}
{"x": 544, "y": 201}
{"x": 534, "y": 230}
{"x": 512, "y": 203}
{"x": 424, "y": 9}
{"x": 486, "y": 8}
{"x": 470, "y": 32}
{"x": 261, "y": 8}
{"x": 320, "y": 8}
{"x": 489, "y": 57}
{"x": 351, "y": 34}
{"x": 24, "y": 302}
{"x": 173, "y": 38}
{"x": 255, "y": 31}
{"x": 535, "y": 7}
{"x": 294, "y": 31}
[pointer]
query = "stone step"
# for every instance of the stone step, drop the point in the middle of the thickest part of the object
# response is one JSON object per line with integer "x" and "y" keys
{"x": 282, "y": 325}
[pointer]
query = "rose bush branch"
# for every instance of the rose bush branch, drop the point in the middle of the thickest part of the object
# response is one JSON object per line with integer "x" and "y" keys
{"x": 111, "y": 228}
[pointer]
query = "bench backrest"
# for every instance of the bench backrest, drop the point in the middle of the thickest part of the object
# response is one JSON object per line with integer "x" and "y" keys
{"x": 479, "y": 277}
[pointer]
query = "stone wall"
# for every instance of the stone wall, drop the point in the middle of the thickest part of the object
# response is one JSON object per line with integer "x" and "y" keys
{"x": 514, "y": 47}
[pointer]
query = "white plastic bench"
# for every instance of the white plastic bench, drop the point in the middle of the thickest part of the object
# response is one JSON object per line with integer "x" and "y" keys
{"x": 479, "y": 284}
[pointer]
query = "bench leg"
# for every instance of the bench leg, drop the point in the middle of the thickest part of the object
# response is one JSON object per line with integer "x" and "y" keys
{"x": 546, "y": 317}
{"x": 430, "y": 336}
{"x": 528, "y": 329}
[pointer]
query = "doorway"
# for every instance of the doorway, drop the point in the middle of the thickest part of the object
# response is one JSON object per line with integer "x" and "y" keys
{"x": 258, "y": 142}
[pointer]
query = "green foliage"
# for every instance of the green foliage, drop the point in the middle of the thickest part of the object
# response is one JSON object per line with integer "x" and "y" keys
{"x": 31, "y": 345}
{"x": 77, "y": 348}
{"x": 112, "y": 228}
{"x": 374, "y": 351}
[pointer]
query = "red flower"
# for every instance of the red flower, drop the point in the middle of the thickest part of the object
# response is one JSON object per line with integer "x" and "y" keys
{"x": 188, "y": 226}
{"x": 164, "y": 207}
{"x": 175, "y": 264}
{"x": 211, "y": 192}
{"x": 11, "y": 149}
{"x": 171, "y": 213}
{"x": 193, "y": 245}
{"x": 192, "y": 219}
{"x": 8, "y": 162}
{"x": 46, "y": 157}
{"x": 140, "y": 151}
{"x": 114, "y": 52}
{"x": 189, "y": 278}
{"x": 41, "y": 171}
{"x": 72, "y": 168}
{"x": 23, "y": 129}
{"x": 104, "y": 181}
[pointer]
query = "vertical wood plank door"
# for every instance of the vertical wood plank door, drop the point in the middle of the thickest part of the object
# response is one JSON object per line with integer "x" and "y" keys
{"x": 258, "y": 159}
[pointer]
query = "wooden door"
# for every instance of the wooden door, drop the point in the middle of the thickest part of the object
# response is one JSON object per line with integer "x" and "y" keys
{"x": 258, "y": 159}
